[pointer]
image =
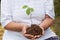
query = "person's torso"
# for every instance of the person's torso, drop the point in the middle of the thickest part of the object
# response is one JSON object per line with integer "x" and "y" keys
{"x": 19, "y": 15}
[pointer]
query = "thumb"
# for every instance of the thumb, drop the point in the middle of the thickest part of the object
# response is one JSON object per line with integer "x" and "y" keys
{"x": 24, "y": 30}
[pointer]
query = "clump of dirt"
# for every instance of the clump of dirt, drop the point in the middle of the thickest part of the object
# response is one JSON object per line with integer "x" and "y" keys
{"x": 34, "y": 30}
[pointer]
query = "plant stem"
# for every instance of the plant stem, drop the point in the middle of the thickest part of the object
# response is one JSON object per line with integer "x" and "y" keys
{"x": 31, "y": 18}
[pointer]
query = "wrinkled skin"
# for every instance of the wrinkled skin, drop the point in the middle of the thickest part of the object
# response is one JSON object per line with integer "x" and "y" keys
{"x": 34, "y": 30}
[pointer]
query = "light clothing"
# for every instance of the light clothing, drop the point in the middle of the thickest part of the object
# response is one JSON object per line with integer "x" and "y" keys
{"x": 11, "y": 10}
{"x": 53, "y": 38}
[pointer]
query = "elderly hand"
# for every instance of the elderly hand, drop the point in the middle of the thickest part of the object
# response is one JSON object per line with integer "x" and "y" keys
{"x": 29, "y": 36}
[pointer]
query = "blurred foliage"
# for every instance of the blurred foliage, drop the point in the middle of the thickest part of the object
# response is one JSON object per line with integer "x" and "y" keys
{"x": 56, "y": 26}
{"x": 57, "y": 7}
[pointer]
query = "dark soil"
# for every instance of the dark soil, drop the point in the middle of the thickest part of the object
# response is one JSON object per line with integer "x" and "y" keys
{"x": 34, "y": 30}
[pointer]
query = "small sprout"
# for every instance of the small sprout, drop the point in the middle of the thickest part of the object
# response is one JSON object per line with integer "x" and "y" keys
{"x": 25, "y": 6}
{"x": 29, "y": 10}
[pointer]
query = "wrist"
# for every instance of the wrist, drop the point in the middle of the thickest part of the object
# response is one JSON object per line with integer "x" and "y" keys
{"x": 41, "y": 27}
{"x": 21, "y": 26}
{"x": 24, "y": 26}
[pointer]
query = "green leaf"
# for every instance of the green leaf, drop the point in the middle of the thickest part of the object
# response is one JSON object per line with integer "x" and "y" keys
{"x": 29, "y": 10}
{"x": 25, "y": 6}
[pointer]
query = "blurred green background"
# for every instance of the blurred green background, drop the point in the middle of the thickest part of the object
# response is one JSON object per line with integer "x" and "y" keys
{"x": 55, "y": 27}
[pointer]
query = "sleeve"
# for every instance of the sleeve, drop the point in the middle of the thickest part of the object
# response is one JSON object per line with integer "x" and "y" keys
{"x": 49, "y": 8}
{"x": 6, "y": 16}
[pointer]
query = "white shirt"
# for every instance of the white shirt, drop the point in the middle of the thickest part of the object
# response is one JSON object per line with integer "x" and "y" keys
{"x": 11, "y": 10}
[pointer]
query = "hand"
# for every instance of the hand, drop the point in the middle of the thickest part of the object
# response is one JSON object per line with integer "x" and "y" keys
{"x": 29, "y": 36}
{"x": 37, "y": 36}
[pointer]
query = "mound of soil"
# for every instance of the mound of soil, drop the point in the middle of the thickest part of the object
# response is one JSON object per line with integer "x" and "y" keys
{"x": 34, "y": 30}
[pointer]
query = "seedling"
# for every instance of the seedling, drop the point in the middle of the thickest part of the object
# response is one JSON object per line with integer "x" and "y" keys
{"x": 29, "y": 10}
{"x": 34, "y": 29}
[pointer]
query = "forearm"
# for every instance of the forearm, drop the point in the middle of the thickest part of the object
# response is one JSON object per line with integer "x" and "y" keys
{"x": 13, "y": 26}
{"x": 46, "y": 23}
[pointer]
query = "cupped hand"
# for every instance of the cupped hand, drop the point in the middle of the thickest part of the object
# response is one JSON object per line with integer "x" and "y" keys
{"x": 29, "y": 36}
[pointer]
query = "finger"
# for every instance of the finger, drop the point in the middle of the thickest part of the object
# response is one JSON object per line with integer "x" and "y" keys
{"x": 33, "y": 38}
{"x": 43, "y": 32}
{"x": 29, "y": 35}
{"x": 37, "y": 36}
